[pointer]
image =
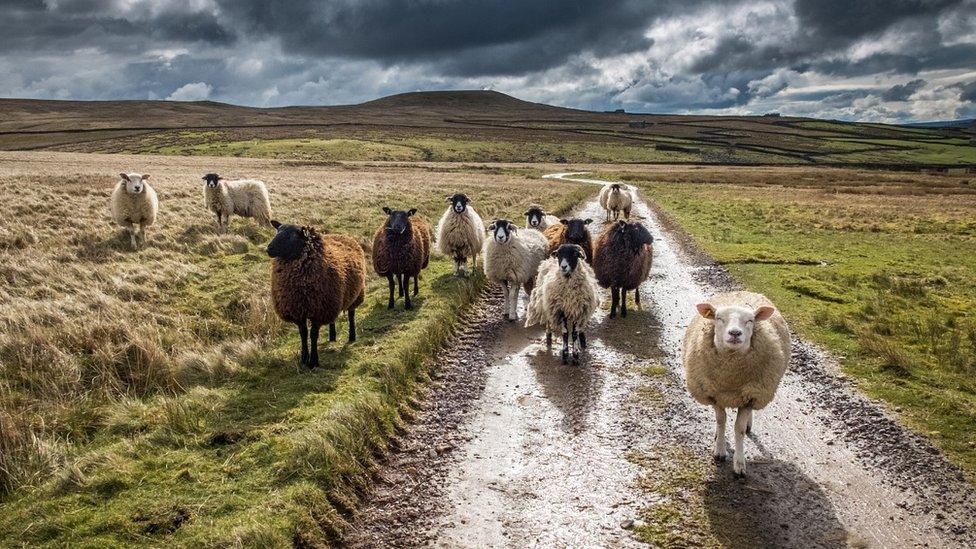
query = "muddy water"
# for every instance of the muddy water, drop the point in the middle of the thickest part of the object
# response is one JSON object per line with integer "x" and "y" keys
{"x": 543, "y": 457}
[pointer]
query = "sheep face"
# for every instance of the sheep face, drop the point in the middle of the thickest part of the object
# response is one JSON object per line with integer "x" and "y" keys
{"x": 134, "y": 183}
{"x": 633, "y": 233}
{"x": 533, "y": 217}
{"x": 289, "y": 242}
{"x": 459, "y": 202}
{"x": 576, "y": 229}
{"x": 502, "y": 230}
{"x": 734, "y": 325}
{"x": 615, "y": 188}
{"x": 212, "y": 180}
{"x": 399, "y": 220}
{"x": 568, "y": 256}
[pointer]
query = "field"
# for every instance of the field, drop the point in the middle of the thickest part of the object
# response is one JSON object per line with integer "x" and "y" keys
{"x": 470, "y": 126}
{"x": 124, "y": 375}
{"x": 877, "y": 267}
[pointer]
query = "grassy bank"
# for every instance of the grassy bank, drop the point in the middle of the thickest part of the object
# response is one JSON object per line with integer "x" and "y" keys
{"x": 878, "y": 267}
{"x": 153, "y": 398}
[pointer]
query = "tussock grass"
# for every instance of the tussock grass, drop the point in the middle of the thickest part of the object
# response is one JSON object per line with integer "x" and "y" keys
{"x": 153, "y": 397}
{"x": 892, "y": 285}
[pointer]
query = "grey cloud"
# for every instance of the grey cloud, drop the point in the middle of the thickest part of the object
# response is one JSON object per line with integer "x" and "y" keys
{"x": 901, "y": 92}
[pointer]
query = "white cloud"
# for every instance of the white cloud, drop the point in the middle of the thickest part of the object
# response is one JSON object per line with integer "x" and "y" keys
{"x": 194, "y": 91}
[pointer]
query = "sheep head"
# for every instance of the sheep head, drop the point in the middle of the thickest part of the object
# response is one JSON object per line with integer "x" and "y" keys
{"x": 290, "y": 241}
{"x": 134, "y": 183}
{"x": 212, "y": 180}
{"x": 459, "y": 202}
{"x": 502, "y": 230}
{"x": 534, "y": 215}
{"x": 576, "y": 231}
{"x": 632, "y": 233}
{"x": 398, "y": 221}
{"x": 567, "y": 257}
{"x": 734, "y": 325}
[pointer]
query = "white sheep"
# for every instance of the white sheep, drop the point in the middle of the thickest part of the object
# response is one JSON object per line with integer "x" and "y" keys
{"x": 537, "y": 218}
{"x": 735, "y": 352}
{"x": 460, "y": 233}
{"x": 134, "y": 205}
{"x": 512, "y": 259}
{"x": 244, "y": 197}
{"x": 565, "y": 297}
{"x": 615, "y": 198}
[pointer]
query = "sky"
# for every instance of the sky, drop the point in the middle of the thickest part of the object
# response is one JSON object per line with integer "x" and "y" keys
{"x": 869, "y": 60}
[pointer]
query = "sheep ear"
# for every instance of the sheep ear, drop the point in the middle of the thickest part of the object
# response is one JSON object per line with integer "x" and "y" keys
{"x": 145, "y": 176}
{"x": 411, "y": 212}
{"x": 387, "y": 210}
{"x": 554, "y": 254}
{"x": 706, "y": 310}
{"x": 491, "y": 228}
{"x": 275, "y": 223}
{"x": 449, "y": 198}
{"x": 124, "y": 176}
{"x": 204, "y": 178}
{"x": 764, "y": 312}
{"x": 587, "y": 221}
{"x": 564, "y": 221}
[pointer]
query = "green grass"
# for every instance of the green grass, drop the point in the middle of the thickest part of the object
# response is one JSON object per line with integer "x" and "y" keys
{"x": 885, "y": 281}
{"x": 312, "y": 149}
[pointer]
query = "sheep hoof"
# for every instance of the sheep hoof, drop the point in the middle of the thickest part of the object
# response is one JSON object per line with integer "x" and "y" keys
{"x": 576, "y": 357}
{"x": 408, "y": 306}
{"x": 739, "y": 474}
{"x": 565, "y": 356}
{"x": 391, "y": 305}
{"x": 717, "y": 458}
{"x": 505, "y": 316}
{"x": 748, "y": 429}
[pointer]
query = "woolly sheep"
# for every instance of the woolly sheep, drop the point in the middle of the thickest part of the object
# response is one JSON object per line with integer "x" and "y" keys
{"x": 571, "y": 231}
{"x": 134, "y": 205}
{"x": 565, "y": 297}
{"x": 314, "y": 278}
{"x": 615, "y": 198}
{"x": 735, "y": 352}
{"x": 401, "y": 249}
{"x": 536, "y": 218}
{"x": 512, "y": 258}
{"x": 622, "y": 261}
{"x": 460, "y": 232}
{"x": 244, "y": 197}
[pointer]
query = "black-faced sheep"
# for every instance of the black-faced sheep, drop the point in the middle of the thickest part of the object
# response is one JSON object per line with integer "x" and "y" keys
{"x": 571, "y": 231}
{"x": 243, "y": 197}
{"x": 536, "y": 218}
{"x": 565, "y": 298}
{"x": 134, "y": 205}
{"x": 460, "y": 233}
{"x": 622, "y": 261}
{"x": 401, "y": 249}
{"x": 615, "y": 198}
{"x": 735, "y": 352}
{"x": 512, "y": 259}
{"x": 313, "y": 279}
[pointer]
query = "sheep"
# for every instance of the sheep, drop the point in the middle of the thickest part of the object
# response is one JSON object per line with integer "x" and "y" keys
{"x": 134, "y": 205}
{"x": 536, "y": 218}
{"x": 614, "y": 198}
{"x": 571, "y": 231}
{"x": 460, "y": 233}
{"x": 314, "y": 278}
{"x": 622, "y": 261}
{"x": 512, "y": 258}
{"x": 735, "y": 352}
{"x": 401, "y": 249}
{"x": 565, "y": 297}
{"x": 244, "y": 197}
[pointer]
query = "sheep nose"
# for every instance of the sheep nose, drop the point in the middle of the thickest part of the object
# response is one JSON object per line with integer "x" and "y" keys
{"x": 735, "y": 333}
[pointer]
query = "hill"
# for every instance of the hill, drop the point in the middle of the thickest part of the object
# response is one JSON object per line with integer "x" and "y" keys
{"x": 468, "y": 126}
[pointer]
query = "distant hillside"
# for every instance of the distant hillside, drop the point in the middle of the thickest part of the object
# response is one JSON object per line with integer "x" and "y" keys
{"x": 965, "y": 123}
{"x": 467, "y": 126}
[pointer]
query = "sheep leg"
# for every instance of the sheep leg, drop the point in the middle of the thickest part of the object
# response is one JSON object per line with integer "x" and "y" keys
{"x": 749, "y": 425}
{"x": 742, "y": 418}
{"x": 614, "y": 300}
{"x": 313, "y": 343}
{"x": 623, "y": 303}
{"x": 405, "y": 290}
{"x": 303, "y": 333}
{"x": 416, "y": 284}
{"x": 575, "y": 338}
{"x": 392, "y": 301}
{"x": 399, "y": 281}
{"x": 637, "y": 296}
{"x": 582, "y": 340}
{"x": 505, "y": 308}
{"x": 565, "y": 353}
{"x": 352, "y": 325}
{"x": 332, "y": 332}
{"x": 226, "y": 223}
{"x": 513, "y": 300}
{"x": 721, "y": 453}
{"x": 627, "y": 213}
{"x": 548, "y": 341}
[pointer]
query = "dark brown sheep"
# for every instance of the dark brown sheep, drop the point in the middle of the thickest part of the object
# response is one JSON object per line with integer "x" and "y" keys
{"x": 313, "y": 279}
{"x": 401, "y": 249}
{"x": 622, "y": 261}
{"x": 571, "y": 231}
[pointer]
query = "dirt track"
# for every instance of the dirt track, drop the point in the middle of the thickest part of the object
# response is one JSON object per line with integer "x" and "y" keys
{"x": 515, "y": 449}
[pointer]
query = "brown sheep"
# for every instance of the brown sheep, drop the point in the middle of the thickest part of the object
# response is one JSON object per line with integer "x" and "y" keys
{"x": 313, "y": 279}
{"x": 571, "y": 231}
{"x": 401, "y": 249}
{"x": 622, "y": 261}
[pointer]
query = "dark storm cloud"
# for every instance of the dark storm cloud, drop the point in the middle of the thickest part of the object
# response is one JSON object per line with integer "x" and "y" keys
{"x": 901, "y": 92}
{"x": 844, "y": 20}
{"x": 967, "y": 92}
